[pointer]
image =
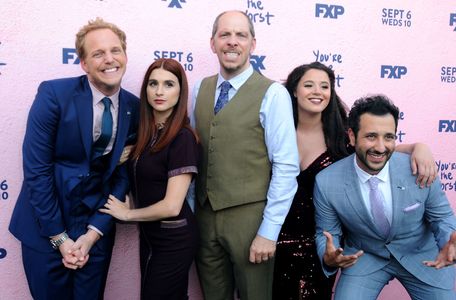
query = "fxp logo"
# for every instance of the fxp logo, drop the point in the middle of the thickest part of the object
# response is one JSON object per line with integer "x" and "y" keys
{"x": 392, "y": 72}
{"x": 447, "y": 126}
{"x": 175, "y": 3}
{"x": 453, "y": 21}
{"x": 328, "y": 11}
{"x": 69, "y": 56}
{"x": 257, "y": 62}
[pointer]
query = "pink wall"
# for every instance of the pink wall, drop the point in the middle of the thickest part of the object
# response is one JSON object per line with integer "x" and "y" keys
{"x": 350, "y": 35}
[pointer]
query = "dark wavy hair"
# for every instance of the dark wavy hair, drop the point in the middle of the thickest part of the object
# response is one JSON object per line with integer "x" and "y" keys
{"x": 333, "y": 117}
{"x": 175, "y": 122}
{"x": 377, "y": 105}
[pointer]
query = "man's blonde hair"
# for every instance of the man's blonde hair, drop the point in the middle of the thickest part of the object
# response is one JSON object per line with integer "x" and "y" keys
{"x": 98, "y": 23}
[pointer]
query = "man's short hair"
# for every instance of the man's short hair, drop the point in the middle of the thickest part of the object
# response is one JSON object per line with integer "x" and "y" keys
{"x": 98, "y": 23}
{"x": 215, "y": 25}
{"x": 378, "y": 105}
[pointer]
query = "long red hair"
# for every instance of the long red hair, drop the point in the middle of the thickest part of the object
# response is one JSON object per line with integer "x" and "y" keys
{"x": 175, "y": 122}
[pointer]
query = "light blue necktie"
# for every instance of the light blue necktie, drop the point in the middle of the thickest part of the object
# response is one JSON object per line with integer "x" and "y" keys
{"x": 106, "y": 127}
{"x": 223, "y": 96}
{"x": 377, "y": 207}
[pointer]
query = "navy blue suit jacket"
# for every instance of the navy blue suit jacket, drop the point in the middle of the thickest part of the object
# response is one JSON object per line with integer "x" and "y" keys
{"x": 56, "y": 159}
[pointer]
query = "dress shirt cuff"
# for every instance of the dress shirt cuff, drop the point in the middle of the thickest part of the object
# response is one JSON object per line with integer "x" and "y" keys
{"x": 269, "y": 231}
{"x": 329, "y": 271}
{"x": 95, "y": 229}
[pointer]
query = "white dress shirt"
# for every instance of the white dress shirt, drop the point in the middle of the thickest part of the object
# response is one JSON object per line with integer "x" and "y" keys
{"x": 98, "y": 108}
{"x": 384, "y": 186}
{"x": 276, "y": 118}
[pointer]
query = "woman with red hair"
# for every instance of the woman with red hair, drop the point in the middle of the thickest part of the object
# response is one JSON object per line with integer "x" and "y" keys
{"x": 161, "y": 167}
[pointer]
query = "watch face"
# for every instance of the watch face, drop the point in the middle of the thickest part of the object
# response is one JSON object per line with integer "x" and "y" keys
{"x": 54, "y": 244}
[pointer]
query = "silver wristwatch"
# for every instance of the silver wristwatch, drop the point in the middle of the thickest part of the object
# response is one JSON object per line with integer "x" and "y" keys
{"x": 56, "y": 243}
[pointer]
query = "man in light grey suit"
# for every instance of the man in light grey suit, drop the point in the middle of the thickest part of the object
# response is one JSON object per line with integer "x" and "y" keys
{"x": 390, "y": 227}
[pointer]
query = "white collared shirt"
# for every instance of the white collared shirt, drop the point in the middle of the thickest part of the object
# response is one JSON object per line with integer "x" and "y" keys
{"x": 384, "y": 186}
{"x": 98, "y": 108}
{"x": 276, "y": 117}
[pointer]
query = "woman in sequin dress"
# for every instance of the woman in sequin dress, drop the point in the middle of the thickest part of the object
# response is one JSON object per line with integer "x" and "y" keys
{"x": 320, "y": 117}
{"x": 321, "y": 125}
{"x": 161, "y": 168}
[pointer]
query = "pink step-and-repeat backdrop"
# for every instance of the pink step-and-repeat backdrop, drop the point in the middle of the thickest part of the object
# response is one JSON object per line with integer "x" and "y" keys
{"x": 404, "y": 49}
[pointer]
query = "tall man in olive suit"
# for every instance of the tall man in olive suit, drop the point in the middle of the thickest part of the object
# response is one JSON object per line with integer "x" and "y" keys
{"x": 247, "y": 176}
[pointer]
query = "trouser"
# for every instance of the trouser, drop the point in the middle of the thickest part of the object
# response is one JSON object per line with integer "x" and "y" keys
{"x": 368, "y": 287}
{"x": 223, "y": 257}
{"x": 48, "y": 278}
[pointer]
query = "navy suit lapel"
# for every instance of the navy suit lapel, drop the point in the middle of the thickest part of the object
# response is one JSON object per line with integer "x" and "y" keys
{"x": 123, "y": 121}
{"x": 84, "y": 109}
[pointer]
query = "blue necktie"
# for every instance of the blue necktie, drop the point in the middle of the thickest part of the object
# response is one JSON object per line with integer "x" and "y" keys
{"x": 223, "y": 96}
{"x": 106, "y": 127}
{"x": 377, "y": 207}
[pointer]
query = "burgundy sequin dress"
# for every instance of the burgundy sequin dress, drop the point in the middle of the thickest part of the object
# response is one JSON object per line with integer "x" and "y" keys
{"x": 297, "y": 272}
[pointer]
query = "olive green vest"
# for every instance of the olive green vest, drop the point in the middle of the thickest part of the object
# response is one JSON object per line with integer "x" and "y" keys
{"x": 234, "y": 168}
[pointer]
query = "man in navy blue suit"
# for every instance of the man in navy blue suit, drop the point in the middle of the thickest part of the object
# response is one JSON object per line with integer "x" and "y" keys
{"x": 76, "y": 133}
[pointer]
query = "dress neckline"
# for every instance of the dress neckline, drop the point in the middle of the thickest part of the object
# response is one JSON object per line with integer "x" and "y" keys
{"x": 315, "y": 161}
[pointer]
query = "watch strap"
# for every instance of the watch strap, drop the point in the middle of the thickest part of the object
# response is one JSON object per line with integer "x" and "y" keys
{"x": 57, "y": 242}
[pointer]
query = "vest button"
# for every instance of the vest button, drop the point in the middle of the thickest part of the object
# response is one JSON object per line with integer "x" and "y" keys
{"x": 211, "y": 150}
{"x": 212, "y": 137}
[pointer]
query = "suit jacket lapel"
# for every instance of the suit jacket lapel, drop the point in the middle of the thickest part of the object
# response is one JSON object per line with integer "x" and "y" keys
{"x": 398, "y": 190}
{"x": 84, "y": 109}
{"x": 123, "y": 121}
{"x": 353, "y": 194}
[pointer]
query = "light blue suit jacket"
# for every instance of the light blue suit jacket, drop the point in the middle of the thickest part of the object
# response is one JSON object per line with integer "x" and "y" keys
{"x": 422, "y": 221}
